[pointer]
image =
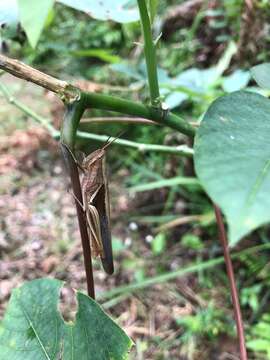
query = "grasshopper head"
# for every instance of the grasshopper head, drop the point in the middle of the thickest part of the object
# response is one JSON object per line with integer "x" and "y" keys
{"x": 92, "y": 158}
{"x": 98, "y": 154}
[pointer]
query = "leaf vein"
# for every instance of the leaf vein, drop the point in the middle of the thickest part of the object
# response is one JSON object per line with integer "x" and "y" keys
{"x": 31, "y": 324}
{"x": 259, "y": 181}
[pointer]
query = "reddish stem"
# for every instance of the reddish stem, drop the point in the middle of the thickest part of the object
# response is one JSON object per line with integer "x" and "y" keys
{"x": 76, "y": 188}
{"x": 233, "y": 288}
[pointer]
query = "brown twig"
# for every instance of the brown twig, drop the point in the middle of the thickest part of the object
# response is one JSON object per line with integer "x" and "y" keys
{"x": 181, "y": 221}
{"x": 233, "y": 288}
{"x": 125, "y": 119}
{"x": 28, "y": 73}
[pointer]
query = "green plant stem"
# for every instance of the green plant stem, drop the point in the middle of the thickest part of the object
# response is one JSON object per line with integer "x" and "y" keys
{"x": 113, "y": 302}
{"x": 69, "y": 93}
{"x": 177, "y": 180}
{"x": 159, "y": 279}
{"x": 176, "y": 274}
{"x": 178, "y": 150}
{"x": 72, "y": 117}
{"x": 25, "y": 109}
{"x": 181, "y": 150}
{"x": 113, "y": 103}
{"x": 150, "y": 53}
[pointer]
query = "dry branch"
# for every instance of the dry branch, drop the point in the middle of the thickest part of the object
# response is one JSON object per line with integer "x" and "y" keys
{"x": 15, "y": 67}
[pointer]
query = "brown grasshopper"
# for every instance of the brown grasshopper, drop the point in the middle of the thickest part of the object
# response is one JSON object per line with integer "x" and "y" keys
{"x": 96, "y": 205}
{"x": 95, "y": 194}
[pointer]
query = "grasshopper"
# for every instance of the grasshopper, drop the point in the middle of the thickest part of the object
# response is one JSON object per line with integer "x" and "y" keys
{"x": 95, "y": 194}
{"x": 96, "y": 205}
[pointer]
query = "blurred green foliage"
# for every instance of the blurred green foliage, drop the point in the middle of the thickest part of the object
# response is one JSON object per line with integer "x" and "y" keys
{"x": 260, "y": 337}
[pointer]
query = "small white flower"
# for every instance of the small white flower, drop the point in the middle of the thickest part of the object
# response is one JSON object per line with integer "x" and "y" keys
{"x": 149, "y": 238}
{"x": 133, "y": 226}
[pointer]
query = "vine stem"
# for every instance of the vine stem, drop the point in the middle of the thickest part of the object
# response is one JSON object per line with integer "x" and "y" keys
{"x": 233, "y": 288}
{"x": 71, "y": 119}
{"x": 182, "y": 150}
{"x": 150, "y": 53}
{"x": 122, "y": 120}
{"x": 69, "y": 93}
{"x": 26, "y": 110}
{"x": 127, "y": 107}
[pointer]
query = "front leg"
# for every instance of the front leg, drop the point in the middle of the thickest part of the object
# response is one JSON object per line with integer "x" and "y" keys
{"x": 78, "y": 201}
{"x": 74, "y": 157}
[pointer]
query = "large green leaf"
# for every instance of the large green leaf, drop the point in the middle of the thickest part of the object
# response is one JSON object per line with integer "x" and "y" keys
{"x": 33, "y": 15}
{"x": 122, "y": 11}
{"x": 232, "y": 159}
{"x": 33, "y": 328}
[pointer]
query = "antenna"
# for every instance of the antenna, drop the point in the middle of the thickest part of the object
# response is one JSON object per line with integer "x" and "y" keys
{"x": 108, "y": 142}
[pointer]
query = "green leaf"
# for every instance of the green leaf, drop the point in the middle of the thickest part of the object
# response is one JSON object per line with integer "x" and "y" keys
{"x": 122, "y": 11}
{"x": 175, "y": 99}
{"x": 102, "y": 54}
{"x": 236, "y": 81}
{"x": 159, "y": 243}
{"x": 33, "y": 15}
{"x": 259, "y": 345}
{"x": 232, "y": 160}
{"x": 128, "y": 70}
{"x": 33, "y": 328}
{"x": 191, "y": 241}
{"x": 259, "y": 340}
{"x": 261, "y": 74}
